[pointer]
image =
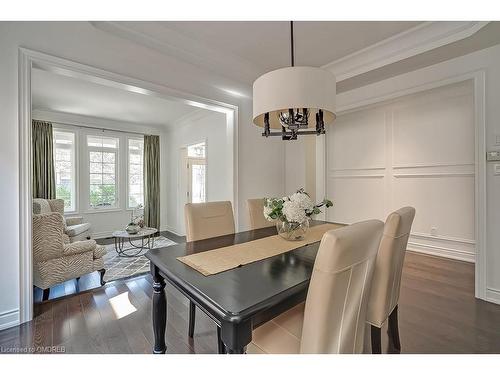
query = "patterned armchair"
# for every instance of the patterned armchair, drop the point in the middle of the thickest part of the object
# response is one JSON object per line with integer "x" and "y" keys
{"x": 74, "y": 227}
{"x": 56, "y": 259}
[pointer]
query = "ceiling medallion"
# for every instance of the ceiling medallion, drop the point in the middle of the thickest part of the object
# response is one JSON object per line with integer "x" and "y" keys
{"x": 297, "y": 100}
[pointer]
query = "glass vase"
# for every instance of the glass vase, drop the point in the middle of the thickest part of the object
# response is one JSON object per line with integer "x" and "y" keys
{"x": 292, "y": 231}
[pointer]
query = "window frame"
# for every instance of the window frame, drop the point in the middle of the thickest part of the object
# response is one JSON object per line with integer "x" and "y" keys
{"x": 88, "y": 150}
{"x": 127, "y": 187}
{"x": 75, "y": 163}
{"x": 198, "y": 159}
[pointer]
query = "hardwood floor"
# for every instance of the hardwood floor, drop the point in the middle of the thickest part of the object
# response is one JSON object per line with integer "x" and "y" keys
{"x": 437, "y": 314}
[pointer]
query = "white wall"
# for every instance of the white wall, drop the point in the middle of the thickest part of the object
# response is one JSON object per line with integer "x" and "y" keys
{"x": 202, "y": 126}
{"x": 487, "y": 60}
{"x": 260, "y": 161}
{"x": 415, "y": 151}
{"x": 103, "y": 223}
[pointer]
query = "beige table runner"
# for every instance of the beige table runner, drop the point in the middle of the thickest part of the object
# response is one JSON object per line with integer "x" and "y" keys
{"x": 225, "y": 258}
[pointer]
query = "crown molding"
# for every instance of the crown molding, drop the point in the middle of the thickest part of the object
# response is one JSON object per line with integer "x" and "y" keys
{"x": 195, "y": 115}
{"x": 77, "y": 120}
{"x": 182, "y": 47}
{"x": 417, "y": 40}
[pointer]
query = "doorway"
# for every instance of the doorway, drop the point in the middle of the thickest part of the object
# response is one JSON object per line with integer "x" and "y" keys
{"x": 31, "y": 59}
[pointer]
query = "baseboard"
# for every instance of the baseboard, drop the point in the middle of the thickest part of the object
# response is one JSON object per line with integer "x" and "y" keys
{"x": 173, "y": 230}
{"x": 442, "y": 252}
{"x": 443, "y": 246}
{"x": 9, "y": 319}
{"x": 493, "y": 295}
{"x": 97, "y": 235}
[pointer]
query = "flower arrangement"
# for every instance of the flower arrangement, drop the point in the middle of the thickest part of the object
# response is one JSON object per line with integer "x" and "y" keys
{"x": 292, "y": 213}
{"x": 295, "y": 208}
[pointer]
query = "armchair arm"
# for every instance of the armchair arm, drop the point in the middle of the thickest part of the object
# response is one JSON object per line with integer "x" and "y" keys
{"x": 74, "y": 220}
{"x": 79, "y": 247}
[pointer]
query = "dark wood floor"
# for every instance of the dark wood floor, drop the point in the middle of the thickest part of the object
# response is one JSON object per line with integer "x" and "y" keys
{"x": 438, "y": 314}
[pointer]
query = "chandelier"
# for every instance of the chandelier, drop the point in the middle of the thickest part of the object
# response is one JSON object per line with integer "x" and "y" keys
{"x": 295, "y": 100}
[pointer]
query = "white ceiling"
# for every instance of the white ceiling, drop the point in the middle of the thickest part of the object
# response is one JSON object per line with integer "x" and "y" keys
{"x": 267, "y": 44}
{"x": 59, "y": 93}
{"x": 244, "y": 50}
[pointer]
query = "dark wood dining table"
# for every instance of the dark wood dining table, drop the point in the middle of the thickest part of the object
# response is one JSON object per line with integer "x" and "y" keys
{"x": 237, "y": 300}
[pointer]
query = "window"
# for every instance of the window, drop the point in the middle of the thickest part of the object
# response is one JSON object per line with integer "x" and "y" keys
{"x": 103, "y": 162}
{"x": 197, "y": 150}
{"x": 197, "y": 170}
{"x": 135, "y": 172}
{"x": 64, "y": 165}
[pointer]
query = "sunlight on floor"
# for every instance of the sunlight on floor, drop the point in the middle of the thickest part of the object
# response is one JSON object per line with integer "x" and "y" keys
{"x": 121, "y": 305}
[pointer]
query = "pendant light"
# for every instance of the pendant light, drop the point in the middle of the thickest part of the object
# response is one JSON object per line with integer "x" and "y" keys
{"x": 295, "y": 100}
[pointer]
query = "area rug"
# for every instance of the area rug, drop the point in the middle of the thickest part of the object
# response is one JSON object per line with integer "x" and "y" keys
{"x": 120, "y": 267}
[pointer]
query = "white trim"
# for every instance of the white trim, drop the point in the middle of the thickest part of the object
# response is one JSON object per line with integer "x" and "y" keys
{"x": 29, "y": 58}
{"x": 442, "y": 252}
{"x": 443, "y": 174}
{"x": 173, "y": 230}
{"x": 444, "y": 246}
{"x": 9, "y": 319}
{"x": 105, "y": 234}
{"x": 25, "y": 190}
{"x": 478, "y": 76}
{"x": 425, "y": 236}
{"x": 417, "y": 40}
{"x": 492, "y": 295}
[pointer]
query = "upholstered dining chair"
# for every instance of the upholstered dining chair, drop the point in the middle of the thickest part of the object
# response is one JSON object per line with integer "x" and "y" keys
{"x": 384, "y": 295}
{"x": 256, "y": 214}
{"x": 206, "y": 220}
{"x": 332, "y": 320}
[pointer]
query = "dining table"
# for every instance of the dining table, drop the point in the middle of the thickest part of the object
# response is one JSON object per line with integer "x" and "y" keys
{"x": 239, "y": 299}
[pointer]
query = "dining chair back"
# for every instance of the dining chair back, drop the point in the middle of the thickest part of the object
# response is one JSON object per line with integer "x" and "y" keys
{"x": 210, "y": 219}
{"x": 336, "y": 303}
{"x": 384, "y": 295}
{"x": 207, "y": 220}
{"x": 256, "y": 214}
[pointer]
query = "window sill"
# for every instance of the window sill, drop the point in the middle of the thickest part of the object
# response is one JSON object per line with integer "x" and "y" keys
{"x": 103, "y": 210}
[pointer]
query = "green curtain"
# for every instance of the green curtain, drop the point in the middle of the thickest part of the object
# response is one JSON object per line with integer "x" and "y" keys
{"x": 44, "y": 180}
{"x": 152, "y": 181}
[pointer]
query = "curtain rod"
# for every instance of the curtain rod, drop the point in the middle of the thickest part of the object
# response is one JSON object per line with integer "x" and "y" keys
{"x": 93, "y": 127}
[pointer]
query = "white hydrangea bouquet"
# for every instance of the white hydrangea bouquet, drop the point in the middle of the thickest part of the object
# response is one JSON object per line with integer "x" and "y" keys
{"x": 292, "y": 213}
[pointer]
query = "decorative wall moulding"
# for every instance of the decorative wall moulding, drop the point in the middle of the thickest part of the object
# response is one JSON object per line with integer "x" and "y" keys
{"x": 417, "y": 40}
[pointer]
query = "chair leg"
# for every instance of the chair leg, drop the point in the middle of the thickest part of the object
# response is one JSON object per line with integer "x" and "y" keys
{"x": 376, "y": 340}
{"x": 192, "y": 318}
{"x": 221, "y": 348}
{"x": 101, "y": 273}
{"x": 46, "y": 293}
{"x": 393, "y": 330}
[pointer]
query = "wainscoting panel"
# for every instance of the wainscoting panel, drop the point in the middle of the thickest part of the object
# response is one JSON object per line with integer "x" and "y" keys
{"x": 417, "y": 150}
{"x": 360, "y": 147}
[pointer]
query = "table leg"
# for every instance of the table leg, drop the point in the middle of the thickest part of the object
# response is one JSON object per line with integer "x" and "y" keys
{"x": 159, "y": 311}
{"x": 236, "y": 336}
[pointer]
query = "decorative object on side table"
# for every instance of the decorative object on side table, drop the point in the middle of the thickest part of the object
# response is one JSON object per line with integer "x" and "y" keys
{"x": 292, "y": 213}
{"x": 136, "y": 220}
